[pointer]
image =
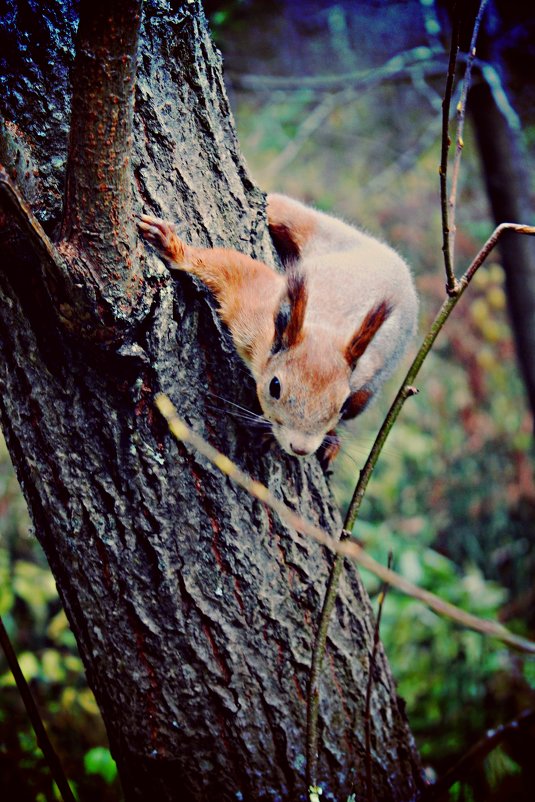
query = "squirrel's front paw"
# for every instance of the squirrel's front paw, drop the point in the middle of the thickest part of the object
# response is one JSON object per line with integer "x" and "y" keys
{"x": 162, "y": 235}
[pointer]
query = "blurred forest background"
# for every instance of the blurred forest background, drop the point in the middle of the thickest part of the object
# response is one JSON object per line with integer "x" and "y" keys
{"x": 339, "y": 104}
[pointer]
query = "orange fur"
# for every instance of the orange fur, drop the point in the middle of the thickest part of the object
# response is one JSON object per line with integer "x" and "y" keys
{"x": 299, "y": 333}
{"x": 248, "y": 292}
{"x": 291, "y": 316}
{"x": 290, "y": 228}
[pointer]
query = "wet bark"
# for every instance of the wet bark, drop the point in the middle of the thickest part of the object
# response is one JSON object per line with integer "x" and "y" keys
{"x": 193, "y": 608}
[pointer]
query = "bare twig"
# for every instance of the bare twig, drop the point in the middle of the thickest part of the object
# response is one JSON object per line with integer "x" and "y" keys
{"x": 482, "y": 625}
{"x": 318, "y": 652}
{"x": 461, "y": 113}
{"x": 43, "y": 741}
{"x": 369, "y": 686}
{"x": 181, "y": 431}
{"x": 310, "y": 124}
{"x": 455, "y": 290}
{"x": 399, "y": 65}
{"x": 407, "y": 388}
{"x": 477, "y": 753}
{"x": 451, "y": 282}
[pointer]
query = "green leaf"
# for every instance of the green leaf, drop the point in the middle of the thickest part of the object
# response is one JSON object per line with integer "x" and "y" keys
{"x": 6, "y": 592}
{"x": 57, "y": 792}
{"x": 29, "y": 665}
{"x": 53, "y": 666}
{"x": 99, "y": 761}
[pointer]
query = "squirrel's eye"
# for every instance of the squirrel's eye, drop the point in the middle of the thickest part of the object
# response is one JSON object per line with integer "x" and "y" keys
{"x": 275, "y": 387}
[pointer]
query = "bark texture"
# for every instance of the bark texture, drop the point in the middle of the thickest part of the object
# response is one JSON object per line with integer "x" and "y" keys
{"x": 194, "y": 610}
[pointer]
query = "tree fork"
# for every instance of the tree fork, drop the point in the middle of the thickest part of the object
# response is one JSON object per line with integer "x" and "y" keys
{"x": 194, "y": 610}
{"x": 98, "y": 210}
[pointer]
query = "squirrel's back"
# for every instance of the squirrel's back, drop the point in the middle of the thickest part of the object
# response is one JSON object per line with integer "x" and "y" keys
{"x": 347, "y": 273}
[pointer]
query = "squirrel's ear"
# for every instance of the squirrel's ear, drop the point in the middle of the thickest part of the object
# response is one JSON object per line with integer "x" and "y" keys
{"x": 291, "y": 313}
{"x": 366, "y": 332}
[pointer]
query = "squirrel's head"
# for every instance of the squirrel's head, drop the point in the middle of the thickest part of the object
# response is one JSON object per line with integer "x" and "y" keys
{"x": 304, "y": 387}
{"x": 302, "y": 392}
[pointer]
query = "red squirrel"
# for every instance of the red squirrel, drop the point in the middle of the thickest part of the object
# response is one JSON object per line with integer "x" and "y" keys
{"x": 319, "y": 339}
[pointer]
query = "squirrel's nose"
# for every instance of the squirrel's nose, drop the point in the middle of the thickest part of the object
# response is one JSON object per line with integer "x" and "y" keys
{"x": 299, "y": 452}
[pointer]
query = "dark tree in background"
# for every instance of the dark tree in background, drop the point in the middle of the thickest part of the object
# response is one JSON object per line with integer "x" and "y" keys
{"x": 502, "y": 88}
{"x": 500, "y": 145}
{"x": 193, "y": 608}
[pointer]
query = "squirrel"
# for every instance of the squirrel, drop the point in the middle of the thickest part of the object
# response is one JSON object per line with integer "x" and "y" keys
{"x": 319, "y": 339}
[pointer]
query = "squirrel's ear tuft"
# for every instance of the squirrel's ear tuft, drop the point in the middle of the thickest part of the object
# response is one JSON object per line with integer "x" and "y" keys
{"x": 297, "y": 296}
{"x": 290, "y": 316}
{"x": 366, "y": 332}
{"x": 285, "y": 244}
{"x": 281, "y": 323}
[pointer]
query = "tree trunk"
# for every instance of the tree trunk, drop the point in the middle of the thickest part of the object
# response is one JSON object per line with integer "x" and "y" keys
{"x": 193, "y": 607}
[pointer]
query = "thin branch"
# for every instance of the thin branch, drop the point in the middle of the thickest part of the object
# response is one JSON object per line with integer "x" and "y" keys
{"x": 443, "y": 169}
{"x": 307, "y": 128}
{"x": 43, "y": 741}
{"x": 476, "y": 754}
{"x": 405, "y": 391}
{"x": 15, "y": 213}
{"x": 22, "y": 235}
{"x": 345, "y": 548}
{"x": 369, "y": 686}
{"x": 461, "y": 114}
{"x": 320, "y": 641}
{"x": 398, "y": 65}
{"x": 407, "y": 388}
{"x": 434, "y": 602}
{"x": 318, "y": 652}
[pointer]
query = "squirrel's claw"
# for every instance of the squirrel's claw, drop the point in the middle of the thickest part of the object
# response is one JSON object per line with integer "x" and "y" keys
{"x": 156, "y": 231}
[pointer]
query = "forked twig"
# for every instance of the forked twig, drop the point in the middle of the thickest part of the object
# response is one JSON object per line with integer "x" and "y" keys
{"x": 406, "y": 390}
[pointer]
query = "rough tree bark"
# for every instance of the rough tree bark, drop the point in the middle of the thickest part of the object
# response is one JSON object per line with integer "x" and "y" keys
{"x": 194, "y": 610}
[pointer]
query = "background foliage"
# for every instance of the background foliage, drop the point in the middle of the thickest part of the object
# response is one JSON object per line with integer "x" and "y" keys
{"x": 453, "y": 496}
